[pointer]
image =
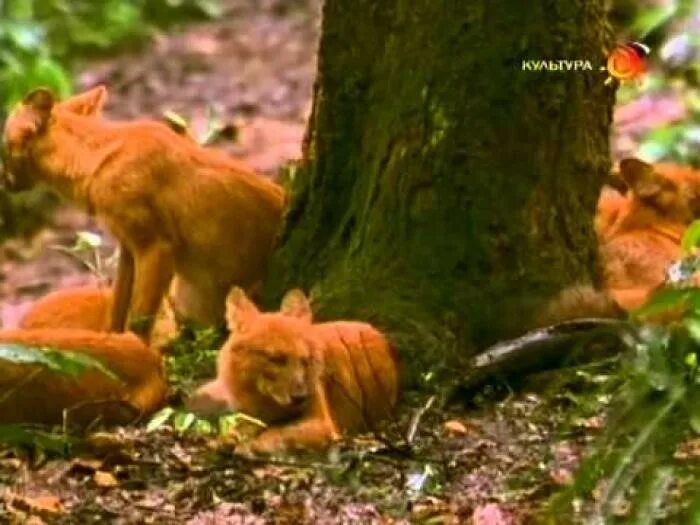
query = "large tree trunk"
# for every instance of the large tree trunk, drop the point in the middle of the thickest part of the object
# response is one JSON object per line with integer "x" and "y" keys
{"x": 446, "y": 194}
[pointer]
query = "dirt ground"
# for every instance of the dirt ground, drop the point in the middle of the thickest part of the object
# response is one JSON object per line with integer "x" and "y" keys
{"x": 491, "y": 464}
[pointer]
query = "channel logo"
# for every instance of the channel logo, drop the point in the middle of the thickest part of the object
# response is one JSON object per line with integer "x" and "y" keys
{"x": 627, "y": 62}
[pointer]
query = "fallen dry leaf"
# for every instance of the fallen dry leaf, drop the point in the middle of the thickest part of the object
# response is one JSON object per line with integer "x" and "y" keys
{"x": 47, "y": 503}
{"x": 51, "y": 504}
{"x": 105, "y": 479}
{"x": 688, "y": 450}
{"x": 85, "y": 465}
{"x": 454, "y": 426}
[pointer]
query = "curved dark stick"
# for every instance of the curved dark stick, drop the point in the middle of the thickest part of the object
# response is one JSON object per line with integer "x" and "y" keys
{"x": 540, "y": 349}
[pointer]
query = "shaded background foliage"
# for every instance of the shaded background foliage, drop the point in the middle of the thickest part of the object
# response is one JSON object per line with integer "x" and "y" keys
{"x": 40, "y": 40}
{"x": 41, "y": 43}
{"x": 672, "y": 30}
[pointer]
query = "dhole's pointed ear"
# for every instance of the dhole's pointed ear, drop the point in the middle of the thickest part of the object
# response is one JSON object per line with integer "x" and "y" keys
{"x": 296, "y": 304}
{"x": 240, "y": 311}
{"x": 640, "y": 177}
{"x": 89, "y": 103}
{"x": 40, "y": 101}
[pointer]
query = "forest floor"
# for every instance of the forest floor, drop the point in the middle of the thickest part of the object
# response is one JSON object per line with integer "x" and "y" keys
{"x": 491, "y": 461}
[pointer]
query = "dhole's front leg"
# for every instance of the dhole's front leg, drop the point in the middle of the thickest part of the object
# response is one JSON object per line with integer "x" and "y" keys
{"x": 210, "y": 399}
{"x": 123, "y": 287}
{"x": 314, "y": 433}
{"x": 153, "y": 268}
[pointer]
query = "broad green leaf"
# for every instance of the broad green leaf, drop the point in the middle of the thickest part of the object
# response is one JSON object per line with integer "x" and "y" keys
{"x": 22, "y": 436}
{"x": 69, "y": 363}
{"x": 692, "y": 324}
{"x": 86, "y": 241}
{"x": 662, "y": 301}
{"x": 660, "y": 142}
{"x": 652, "y": 18}
{"x": 26, "y": 36}
{"x": 228, "y": 422}
{"x": 176, "y": 120}
{"x": 48, "y": 72}
{"x": 693, "y": 300}
{"x": 182, "y": 421}
{"x": 691, "y": 237}
{"x": 203, "y": 427}
{"x": 159, "y": 419}
{"x": 19, "y": 9}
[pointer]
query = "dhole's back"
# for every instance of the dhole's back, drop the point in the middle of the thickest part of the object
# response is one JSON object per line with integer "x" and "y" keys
{"x": 360, "y": 373}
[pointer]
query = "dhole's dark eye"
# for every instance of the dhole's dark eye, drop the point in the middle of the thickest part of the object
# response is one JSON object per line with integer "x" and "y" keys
{"x": 668, "y": 185}
{"x": 277, "y": 359}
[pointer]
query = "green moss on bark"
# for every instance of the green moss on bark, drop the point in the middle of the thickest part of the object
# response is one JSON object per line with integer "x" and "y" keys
{"x": 447, "y": 193}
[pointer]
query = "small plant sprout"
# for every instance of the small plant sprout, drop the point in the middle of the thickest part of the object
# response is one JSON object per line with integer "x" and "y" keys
{"x": 88, "y": 250}
{"x": 214, "y": 127}
{"x": 237, "y": 424}
{"x": 176, "y": 121}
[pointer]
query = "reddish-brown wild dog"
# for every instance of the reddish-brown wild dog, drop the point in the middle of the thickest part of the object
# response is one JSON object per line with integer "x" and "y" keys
{"x": 32, "y": 393}
{"x": 177, "y": 209}
{"x": 309, "y": 382}
{"x": 640, "y": 233}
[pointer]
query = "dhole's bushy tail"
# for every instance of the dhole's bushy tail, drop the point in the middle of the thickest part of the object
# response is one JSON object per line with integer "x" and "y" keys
{"x": 32, "y": 392}
{"x": 576, "y": 302}
{"x": 579, "y": 314}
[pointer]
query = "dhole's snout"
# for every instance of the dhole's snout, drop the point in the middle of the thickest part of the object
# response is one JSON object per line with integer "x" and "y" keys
{"x": 615, "y": 181}
{"x": 299, "y": 391}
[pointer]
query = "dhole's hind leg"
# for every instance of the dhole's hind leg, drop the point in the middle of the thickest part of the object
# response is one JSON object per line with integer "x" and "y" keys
{"x": 123, "y": 288}
{"x": 197, "y": 300}
{"x": 153, "y": 269}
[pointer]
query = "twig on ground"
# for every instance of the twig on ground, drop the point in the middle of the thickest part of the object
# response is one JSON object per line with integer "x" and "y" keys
{"x": 415, "y": 420}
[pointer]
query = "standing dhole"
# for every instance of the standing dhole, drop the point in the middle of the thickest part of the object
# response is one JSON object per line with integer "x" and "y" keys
{"x": 177, "y": 209}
